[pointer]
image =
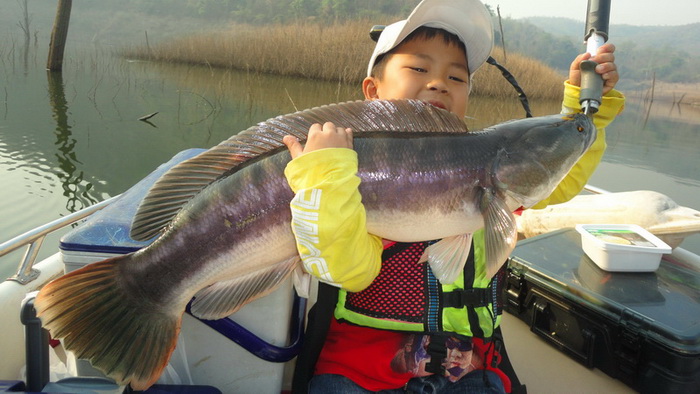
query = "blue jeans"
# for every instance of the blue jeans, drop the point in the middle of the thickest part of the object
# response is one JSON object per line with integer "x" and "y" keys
{"x": 474, "y": 382}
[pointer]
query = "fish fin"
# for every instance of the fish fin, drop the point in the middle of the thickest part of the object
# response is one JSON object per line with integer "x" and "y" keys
{"x": 447, "y": 257}
{"x": 302, "y": 281}
{"x": 182, "y": 182}
{"x": 100, "y": 322}
{"x": 226, "y": 297}
{"x": 500, "y": 232}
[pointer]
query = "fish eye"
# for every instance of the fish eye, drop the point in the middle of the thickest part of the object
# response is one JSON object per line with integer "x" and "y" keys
{"x": 580, "y": 128}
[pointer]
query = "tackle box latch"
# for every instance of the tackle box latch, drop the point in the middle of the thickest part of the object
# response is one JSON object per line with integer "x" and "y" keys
{"x": 629, "y": 348}
{"x": 515, "y": 290}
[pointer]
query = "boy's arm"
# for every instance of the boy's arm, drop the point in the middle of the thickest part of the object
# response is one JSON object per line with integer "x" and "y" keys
{"x": 328, "y": 219}
{"x": 613, "y": 103}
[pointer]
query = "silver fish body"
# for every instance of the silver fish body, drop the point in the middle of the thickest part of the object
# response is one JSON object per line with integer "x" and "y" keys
{"x": 428, "y": 186}
{"x": 228, "y": 239}
{"x": 432, "y": 187}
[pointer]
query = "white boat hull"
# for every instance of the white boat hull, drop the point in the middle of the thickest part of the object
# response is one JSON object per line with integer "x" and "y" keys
{"x": 11, "y": 295}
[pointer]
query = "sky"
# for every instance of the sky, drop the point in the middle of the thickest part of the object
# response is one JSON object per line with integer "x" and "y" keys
{"x": 629, "y": 12}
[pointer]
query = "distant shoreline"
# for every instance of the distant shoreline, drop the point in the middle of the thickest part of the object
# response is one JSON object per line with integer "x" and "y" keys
{"x": 683, "y": 93}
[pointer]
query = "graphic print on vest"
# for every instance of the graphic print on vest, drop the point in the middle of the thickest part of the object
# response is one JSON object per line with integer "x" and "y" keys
{"x": 399, "y": 291}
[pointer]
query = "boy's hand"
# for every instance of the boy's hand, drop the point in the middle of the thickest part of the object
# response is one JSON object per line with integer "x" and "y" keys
{"x": 320, "y": 137}
{"x": 606, "y": 67}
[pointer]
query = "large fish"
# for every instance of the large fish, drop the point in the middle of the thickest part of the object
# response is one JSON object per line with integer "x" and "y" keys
{"x": 224, "y": 220}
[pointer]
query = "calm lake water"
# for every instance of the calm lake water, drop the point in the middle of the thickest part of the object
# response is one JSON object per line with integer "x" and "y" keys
{"x": 69, "y": 140}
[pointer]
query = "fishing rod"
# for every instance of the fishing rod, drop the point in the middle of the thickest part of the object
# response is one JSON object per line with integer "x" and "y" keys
{"x": 596, "y": 34}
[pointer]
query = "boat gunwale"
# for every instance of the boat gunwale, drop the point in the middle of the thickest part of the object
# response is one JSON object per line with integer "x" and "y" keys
{"x": 34, "y": 239}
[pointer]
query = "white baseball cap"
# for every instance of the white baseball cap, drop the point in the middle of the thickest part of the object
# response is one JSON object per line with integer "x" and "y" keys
{"x": 467, "y": 19}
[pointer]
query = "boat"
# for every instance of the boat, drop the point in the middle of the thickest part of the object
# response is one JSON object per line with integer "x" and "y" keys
{"x": 246, "y": 352}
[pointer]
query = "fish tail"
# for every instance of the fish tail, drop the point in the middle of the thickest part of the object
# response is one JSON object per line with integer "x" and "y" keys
{"x": 100, "y": 321}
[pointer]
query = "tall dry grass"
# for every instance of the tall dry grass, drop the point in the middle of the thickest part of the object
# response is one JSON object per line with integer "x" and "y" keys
{"x": 337, "y": 52}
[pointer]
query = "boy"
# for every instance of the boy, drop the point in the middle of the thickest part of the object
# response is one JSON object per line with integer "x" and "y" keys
{"x": 431, "y": 56}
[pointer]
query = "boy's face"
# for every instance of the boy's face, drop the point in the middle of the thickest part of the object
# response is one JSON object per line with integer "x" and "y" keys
{"x": 429, "y": 70}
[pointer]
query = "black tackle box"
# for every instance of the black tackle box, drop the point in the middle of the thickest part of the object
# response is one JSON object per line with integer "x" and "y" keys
{"x": 641, "y": 328}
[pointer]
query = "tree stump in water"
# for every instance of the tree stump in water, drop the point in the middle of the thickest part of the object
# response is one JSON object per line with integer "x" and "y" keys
{"x": 58, "y": 35}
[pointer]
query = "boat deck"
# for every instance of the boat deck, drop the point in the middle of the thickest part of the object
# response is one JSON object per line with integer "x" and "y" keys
{"x": 544, "y": 369}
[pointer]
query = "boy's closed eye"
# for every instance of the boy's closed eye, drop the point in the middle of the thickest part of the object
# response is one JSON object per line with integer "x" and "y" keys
{"x": 452, "y": 77}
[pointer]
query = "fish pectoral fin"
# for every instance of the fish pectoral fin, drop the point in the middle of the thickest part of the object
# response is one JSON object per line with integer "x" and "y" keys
{"x": 302, "y": 281}
{"x": 226, "y": 297}
{"x": 448, "y": 256}
{"x": 500, "y": 233}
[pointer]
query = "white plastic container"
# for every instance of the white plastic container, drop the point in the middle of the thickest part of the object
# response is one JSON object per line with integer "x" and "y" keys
{"x": 622, "y": 247}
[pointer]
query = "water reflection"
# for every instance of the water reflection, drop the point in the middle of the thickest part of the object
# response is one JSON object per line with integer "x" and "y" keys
{"x": 664, "y": 144}
{"x": 257, "y": 97}
{"x": 25, "y": 56}
{"x": 75, "y": 188}
{"x": 251, "y": 97}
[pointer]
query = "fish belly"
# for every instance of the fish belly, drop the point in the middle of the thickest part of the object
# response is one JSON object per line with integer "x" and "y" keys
{"x": 412, "y": 226}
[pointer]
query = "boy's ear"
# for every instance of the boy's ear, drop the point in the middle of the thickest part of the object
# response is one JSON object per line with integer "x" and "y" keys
{"x": 369, "y": 88}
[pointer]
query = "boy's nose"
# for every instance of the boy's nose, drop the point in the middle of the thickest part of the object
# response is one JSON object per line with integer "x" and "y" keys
{"x": 438, "y": 84}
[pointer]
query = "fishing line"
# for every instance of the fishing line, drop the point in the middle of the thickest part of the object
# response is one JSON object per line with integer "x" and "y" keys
{"x": 511, "y": 79}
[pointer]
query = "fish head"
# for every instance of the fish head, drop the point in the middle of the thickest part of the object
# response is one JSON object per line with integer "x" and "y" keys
{"x": 537, "y": 153}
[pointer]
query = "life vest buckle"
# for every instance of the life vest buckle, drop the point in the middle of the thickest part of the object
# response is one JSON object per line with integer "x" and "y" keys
{"x": 467, "y": 297}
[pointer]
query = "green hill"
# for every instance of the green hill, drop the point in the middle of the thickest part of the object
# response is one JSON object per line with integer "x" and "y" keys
{"x": 685, "y": 38}
{"x": 667, "y": 53}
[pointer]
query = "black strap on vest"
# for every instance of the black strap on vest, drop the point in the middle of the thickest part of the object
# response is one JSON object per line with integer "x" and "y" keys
{"x": 470, "y": 298}
{"x": 438, "y": 353}
{"x": 467, "y": 297}
{"x": 319, "y": 320}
